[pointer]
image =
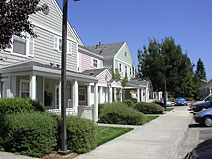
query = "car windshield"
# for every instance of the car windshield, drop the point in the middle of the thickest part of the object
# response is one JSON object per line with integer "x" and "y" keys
{"x": 180, "y": 99}
{"x": 208, "y": 98}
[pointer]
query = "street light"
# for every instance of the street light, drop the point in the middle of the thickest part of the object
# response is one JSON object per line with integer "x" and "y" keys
{"x": 63, "y": 79}
{"x": 167, "y": 66}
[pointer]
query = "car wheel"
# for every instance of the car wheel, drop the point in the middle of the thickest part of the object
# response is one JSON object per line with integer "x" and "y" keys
{"x": 208, "y": 121}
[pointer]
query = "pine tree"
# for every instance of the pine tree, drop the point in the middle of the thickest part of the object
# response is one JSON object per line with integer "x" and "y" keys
{"x": 200, "y": 71}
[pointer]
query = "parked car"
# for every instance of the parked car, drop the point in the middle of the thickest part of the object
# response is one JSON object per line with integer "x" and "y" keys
{"x": 202, "y": 106}
{"x": 208, "y": 98}
{"x": 202, "y": 151}
{"x": 168, "y": 102}
{"x": 204, "y": 117}
{"x": 180, "y": 101}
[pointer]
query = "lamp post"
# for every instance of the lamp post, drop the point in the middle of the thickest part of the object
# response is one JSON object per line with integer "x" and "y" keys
{"x": 167, "y": 66}
{"x": 63, "y": 79}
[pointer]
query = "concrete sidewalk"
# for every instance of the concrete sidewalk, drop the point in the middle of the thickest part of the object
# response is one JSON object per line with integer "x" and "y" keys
{"x": 160, "y": 138}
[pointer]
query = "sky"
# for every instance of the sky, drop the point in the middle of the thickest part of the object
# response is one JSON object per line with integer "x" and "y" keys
{"x": 189, "y": 22}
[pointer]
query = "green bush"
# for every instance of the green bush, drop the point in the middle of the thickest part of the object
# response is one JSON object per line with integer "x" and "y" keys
{"x": 128, "y": 102}
{"x": 81, "y": 134}
{"x": 32, "y": 134}
{"x": 149, "y": 108}
{"x": 14, "y": 105}
{"x": 120, "y": 113}
{"x": 100, "y": 107}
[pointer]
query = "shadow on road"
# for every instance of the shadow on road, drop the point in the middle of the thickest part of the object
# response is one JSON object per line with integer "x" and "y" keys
{"x": 195, "y": 125}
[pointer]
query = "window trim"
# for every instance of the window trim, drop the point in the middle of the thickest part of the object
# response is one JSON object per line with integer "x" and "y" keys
{"x": 57, "y": 46}
{"x": 20, "y": 88}
{"x": 93, "y": 62}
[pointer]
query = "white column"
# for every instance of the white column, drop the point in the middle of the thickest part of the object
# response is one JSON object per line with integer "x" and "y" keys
{"x": 60, "y": 92}
{"x": 110, "y": 95}
{"x": 75, "y": 96}
{"x": 89, "y": 95}
{"x": 121, "y": 95}
{"x": 115, "y": 95}
{"x": 142, "y": 94}
{"x": 32, "y": 91}
{"x": 43, "y": 89}
{"x": 95, "y": 111}
{"x": 12, "y": 86}
{"x": 138, "y": 95}
{"x": 100, "y": 95}
{"x": 106, "y": 95}
{"x": 9, "y": 87}
{"x": 146, "y": 95}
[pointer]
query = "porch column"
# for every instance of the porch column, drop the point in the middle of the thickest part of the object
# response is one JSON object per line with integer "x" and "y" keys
{"x": 60, "y": 97}
{"x": 32, "y": 91}
{"x": 100, "y": 94}
{"x": 121, "y": 95}
{"x": 43, "y": 89}
{"x": 106, "y": 95}
{"x": 95, "y": 111}
{"x": 138, "y": 95}
{"x": 110, "y": 95}
{"x": 115, "y": 99}
{"x": 75, "y": 96}
{"x": 89, "y": 95}
{"x": 146, "y": 95}
{"x": 12, "y": 86}
{"x": 142, "y": 94}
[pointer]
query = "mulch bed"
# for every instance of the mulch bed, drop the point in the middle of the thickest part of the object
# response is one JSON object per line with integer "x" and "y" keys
{"x": 53, "y": 156}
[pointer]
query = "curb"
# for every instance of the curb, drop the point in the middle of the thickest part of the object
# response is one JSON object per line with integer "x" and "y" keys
{"x": 173, "y": 153}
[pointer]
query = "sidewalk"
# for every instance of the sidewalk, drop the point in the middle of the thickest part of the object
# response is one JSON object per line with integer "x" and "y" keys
{"x": 160, "y": 138}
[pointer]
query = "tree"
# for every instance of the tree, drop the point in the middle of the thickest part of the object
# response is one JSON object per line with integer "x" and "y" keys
{"x": 153, "y": 61}
{"x": 200, "y": 71}
{"x": 14, "y": 19}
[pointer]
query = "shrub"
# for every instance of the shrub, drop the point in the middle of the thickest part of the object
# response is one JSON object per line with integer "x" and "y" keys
{"x": 14, "y": 105}
{"x": 100, "y": 107}
{"x": 149, "y": 108}
{"x": 32, "y": 134}
{"x": 159, "y": 103}
{"x": 120, "y": 113}
{"x": 81, "y": 134}
{"x": 128, "y": 102}
{"x": 171, "y": 99}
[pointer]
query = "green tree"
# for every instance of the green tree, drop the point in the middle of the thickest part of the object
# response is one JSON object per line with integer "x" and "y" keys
{"x": 14, "y": 19}
{"x": 154, "y": 61}
{"x": 200, "y": 71}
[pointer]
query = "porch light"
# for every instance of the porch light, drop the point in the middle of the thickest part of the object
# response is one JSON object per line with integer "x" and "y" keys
{"x": 63, "y": 80}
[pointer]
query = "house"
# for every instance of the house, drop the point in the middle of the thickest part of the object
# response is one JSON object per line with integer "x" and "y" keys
{"x": 118, "y": 56}
{"x": 32, "y": 67}
{"x": 206, "y": 88}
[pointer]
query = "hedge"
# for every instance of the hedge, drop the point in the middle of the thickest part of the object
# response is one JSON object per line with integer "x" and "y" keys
{"x": 32, "y": 134}
{"x": 128, "y": 102}
{"x": 14, "y": 105}
{"x": 81, "y": 134}
{"x": 149, "y": 108}
{"x": 120, "y": 113}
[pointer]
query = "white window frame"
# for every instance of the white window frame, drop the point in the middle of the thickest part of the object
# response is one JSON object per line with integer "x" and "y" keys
{"x": 69, "y": 47}
{"x": 29, "y": 40}
{"x": 93, "y": 59}
{"x": 20, "y": 88}
{"x": 57, "y": 45}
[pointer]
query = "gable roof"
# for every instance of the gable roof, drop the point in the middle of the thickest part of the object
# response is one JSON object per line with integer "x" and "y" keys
{"x": 106, "y": 50}
{"x": 93, "y": 72}
{"x": 207, "y": 85}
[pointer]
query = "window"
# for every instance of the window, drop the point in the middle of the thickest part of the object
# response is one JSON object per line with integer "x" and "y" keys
{"x": 58, "y": 45}
{"x": 125, "y": 53}
{"x": 82, "y": 93}
{"x": 130, "y": 71}
{"x": 69, "y": 47}
{"x": 120, "y": 67}
{"x": 94, "y": 62}
{"x": 23, "y": 46}
{"x": 125, "y": 71}
{"x": 24, "y": 88}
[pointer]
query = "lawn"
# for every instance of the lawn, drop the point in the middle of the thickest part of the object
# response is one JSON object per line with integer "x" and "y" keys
{"x": 169, "y": 109}
{"x": 150, "y": 118}
{"x": 105, "y": 134}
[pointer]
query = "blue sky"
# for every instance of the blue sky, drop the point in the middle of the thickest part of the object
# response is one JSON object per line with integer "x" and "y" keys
{"x": 189, "y": 22}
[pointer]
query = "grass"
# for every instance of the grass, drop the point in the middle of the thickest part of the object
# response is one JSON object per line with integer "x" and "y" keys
{"x": 105, "y": 134}
{"x": 150, "y": 118}
{"x": 169, "y": 109}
